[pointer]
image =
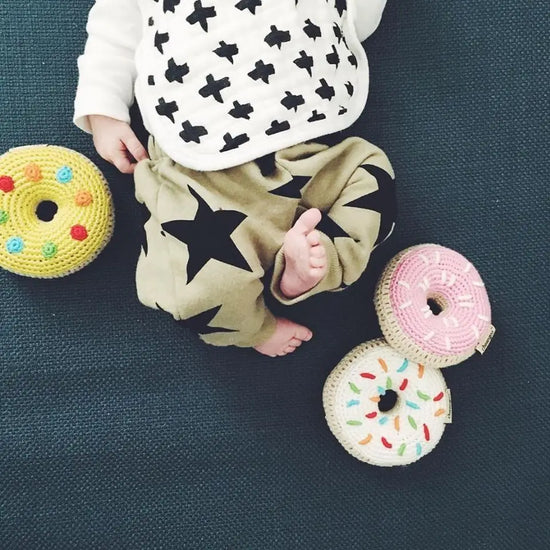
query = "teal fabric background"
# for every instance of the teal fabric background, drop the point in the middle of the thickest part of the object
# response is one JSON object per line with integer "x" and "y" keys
{"x": 120, "y": 429}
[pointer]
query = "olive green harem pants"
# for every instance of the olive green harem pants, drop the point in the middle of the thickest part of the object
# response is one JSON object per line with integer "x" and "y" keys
{"x": 210, "y": 237}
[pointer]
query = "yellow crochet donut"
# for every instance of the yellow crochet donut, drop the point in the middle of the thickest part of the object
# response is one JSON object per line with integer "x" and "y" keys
{"x": 56, "y": 211}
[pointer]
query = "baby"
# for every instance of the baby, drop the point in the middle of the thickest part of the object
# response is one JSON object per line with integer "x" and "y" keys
{"x": 243, "y": 186}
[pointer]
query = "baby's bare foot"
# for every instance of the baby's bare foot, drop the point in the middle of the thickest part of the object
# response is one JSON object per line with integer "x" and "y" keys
{"x": 305, "y": 256}
{"x": 286, "y": 338}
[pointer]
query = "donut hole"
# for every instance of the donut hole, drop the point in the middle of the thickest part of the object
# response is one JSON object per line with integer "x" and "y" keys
{"x": 387, "y": 401}
{"x": 436, "y": 303}
{"x": 46, "y": 211}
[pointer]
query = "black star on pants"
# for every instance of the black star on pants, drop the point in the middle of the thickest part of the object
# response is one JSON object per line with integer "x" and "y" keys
{"x": 293, "y": 188}
{"x": 145, "y": 217}
{"x": 382, "y": 200}
{"x": 330, "y": 228}
{"x": 208, "y": 237}
{"x": 200, "y": 323}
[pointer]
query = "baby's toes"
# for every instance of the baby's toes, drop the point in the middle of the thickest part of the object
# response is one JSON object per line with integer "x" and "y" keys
{"x": 317, "y": 262}
{"x": 303, "y": 333}
{"x": 313, "y": 238}
{"x": 318, "y": 251}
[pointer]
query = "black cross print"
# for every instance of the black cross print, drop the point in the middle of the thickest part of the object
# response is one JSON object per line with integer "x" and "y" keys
{"x": 277, "y": 37}
{"x": 262, "y": 71}
{"x": 192, "y": 133}
{"x": 233, "y": 142}
{"x": 304, "y": 62}
{"x": 249, "y": 4}
{"x": 167, "y": 109}
{"x": 227, "y": 50}
{"x": 201, "y": 15}
{"x": 176, "y": 72}
{"x": 333, "y": 58}
{"x": 241, "y": 111}
{"x": 214, "y": 87}
{"x": 315, "y": 116}
{"x": 277, "y": 127}
{"x": 312, "y": 30}
{"x": 292, "y": 101}
{"x": 160, "y": 40}
{"x": 325, "y": 91}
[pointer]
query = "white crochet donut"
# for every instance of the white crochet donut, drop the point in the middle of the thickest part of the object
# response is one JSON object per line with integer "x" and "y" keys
{"x": 358, "y": 397}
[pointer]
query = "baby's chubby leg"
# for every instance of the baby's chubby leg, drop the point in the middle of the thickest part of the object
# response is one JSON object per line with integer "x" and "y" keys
{"x": 201, "y": 262}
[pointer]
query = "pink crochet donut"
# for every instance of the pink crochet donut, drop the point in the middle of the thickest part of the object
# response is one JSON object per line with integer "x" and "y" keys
{"x": 432, "y": 305}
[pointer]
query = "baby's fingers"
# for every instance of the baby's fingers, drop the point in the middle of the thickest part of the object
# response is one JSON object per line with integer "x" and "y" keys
{"x": 122, "y": 162}
{"x": 134, "y": 146}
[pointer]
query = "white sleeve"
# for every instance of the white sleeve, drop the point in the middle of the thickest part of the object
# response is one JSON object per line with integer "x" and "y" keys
{"x": 368, "y": 14}
{"x": 107, "y": 69}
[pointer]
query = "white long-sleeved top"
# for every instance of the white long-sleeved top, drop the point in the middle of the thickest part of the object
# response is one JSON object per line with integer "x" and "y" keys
{"x": 222, "y": 82}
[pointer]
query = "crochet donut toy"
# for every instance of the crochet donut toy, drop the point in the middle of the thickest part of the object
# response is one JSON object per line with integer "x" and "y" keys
{"x": 56, "y": 211}
{"x": 432, "y": 306}
{"x": 384, "y": 409}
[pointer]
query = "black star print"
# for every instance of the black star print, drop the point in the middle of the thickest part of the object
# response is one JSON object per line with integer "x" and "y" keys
{"x": 233, "y": 142}
{"x": 277, "y": 127}
{"x": 304, "y": 62}
{"x": 325, "y": 91}
{"x": 330, "y": 228}
{"x": 262, "y": 71}
{"x": 192, "y": 133}
{"x": 342, "y": 110}
{"x": 214, "y": 87}
{"x": 292, "y": 189}
{"x": 382, "y": 200}
{"x": 291, "y": 101}
{"x": 208, "y": 237}
{"x": 167, "y": 109}
{"x": 312, "y": 30}
{"x": 201, "y": 323}
{"x": 249, "y": 4}
{"x": 241, "y": 111}
{"x": 151, "y": 80}
{"x": 333, "y": 58}
{"x": 277, "y": 37}
{"x": 353, "y": 60}
{"x": 160, "y": 40}
{"x": 145, "y": 217}
{"x": 227, "y": 50}
{"x": 176, "y": 72}
{"x": 201, "y": 15}
{"x": 349, "y": 88}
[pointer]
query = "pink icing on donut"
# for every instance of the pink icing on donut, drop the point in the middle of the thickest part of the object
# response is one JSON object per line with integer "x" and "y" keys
{"x": 432, "y": 277}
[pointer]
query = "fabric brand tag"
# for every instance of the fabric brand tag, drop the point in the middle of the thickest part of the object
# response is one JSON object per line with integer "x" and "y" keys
{"x": 484, "y": 344}
{"x": 449, "y": 417}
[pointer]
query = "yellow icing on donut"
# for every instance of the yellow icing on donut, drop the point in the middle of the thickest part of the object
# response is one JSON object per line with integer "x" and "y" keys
{"x": 81, "y": 226}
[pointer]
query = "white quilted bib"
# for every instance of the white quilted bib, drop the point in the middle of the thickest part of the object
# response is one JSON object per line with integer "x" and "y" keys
{"x": 222, "y": 82}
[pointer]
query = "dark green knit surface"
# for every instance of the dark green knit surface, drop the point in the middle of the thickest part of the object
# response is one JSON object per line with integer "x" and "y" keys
{"x": 120, "y": 429}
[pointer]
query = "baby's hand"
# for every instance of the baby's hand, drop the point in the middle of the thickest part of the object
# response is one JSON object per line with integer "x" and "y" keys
{"x": 117, "y": 143}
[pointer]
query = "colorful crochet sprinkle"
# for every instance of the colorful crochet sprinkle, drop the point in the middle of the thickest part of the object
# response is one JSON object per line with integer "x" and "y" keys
{"x": 15, "y": 245}
{"x": 64, "y": 175}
